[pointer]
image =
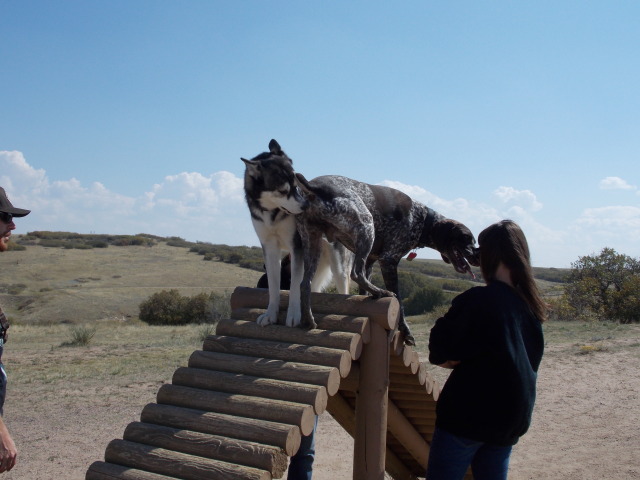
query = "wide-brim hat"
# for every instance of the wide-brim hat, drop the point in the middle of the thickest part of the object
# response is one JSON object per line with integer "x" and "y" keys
{"x": 7, "y": 207}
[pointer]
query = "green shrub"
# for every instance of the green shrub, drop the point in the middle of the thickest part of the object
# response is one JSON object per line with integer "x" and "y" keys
{"x": 81, "y": 336}
{"x": 423, "y": 300}
{"x": 164, "y": 308}
{"x": 16, "y": 247}
{"x": 605, "y": 287}
{"x": 16, "y": 288}
{"x": 171, "y": 308}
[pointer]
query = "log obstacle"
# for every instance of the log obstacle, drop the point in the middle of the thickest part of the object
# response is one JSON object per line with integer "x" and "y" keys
{"x": 239, "y": 408}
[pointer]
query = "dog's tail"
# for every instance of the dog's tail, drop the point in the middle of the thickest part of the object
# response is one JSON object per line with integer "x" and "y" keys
{"x": 324, "y": 273}
{"x": 335, "y": 264}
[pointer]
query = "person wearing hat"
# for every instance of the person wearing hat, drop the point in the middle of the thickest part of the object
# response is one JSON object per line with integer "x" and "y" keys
{"x": 8, "y": 212}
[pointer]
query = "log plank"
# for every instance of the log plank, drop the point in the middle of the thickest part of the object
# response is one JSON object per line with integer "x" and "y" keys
{"x": 279, "y": 435}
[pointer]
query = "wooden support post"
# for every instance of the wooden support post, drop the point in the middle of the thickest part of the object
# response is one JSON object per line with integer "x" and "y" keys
{"x": 371, "y": 408}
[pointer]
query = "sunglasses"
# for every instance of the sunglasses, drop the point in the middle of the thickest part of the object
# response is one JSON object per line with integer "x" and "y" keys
{"x": 6, "y": 217}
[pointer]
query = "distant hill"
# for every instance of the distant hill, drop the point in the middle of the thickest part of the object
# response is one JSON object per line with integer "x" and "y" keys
{"x": 54, "y": 277}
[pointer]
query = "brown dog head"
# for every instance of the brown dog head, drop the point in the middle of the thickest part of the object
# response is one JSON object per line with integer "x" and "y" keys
{"x": 456, "y": 244}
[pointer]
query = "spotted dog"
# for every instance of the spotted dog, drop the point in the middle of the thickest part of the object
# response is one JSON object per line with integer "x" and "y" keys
{"x": 375, "y": 223}
{"x": 274, "y": 199}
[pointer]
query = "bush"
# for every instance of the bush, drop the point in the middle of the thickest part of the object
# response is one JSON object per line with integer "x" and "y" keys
{"x": 16, "y": 288}
{"x": 164, "y": 308}
{"x": 81, "y": 336}
{"x": 423, "y": 300}
{"x": 605, "y": 287}
{"x": 171, "y": 308}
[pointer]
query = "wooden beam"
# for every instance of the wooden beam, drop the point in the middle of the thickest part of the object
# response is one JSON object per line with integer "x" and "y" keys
{"x": 180, "y": 465}
{"x": 328, "y": 377}
{"x": 352, "y": 342}
{"x": 227, "y": 449}
{"x": 326, "y": 321}
{"x": 297, "y": 392}
{"x": 110, "y": 471}
{"x": 404, "y": 432}
{"x": 280, "y": 435}
{"x": 330, "y": 357}
{"x": 382, "y": 310}
{"x": 239, "y": 405}
{"x": 371, "y": 408}
{"x": 342, "y": 412}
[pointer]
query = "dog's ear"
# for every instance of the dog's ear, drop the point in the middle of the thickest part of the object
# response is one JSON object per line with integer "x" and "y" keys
{"x": 253, "y": 167}
{"x": 303, "y": 184}
{"x": 274, "y": 147}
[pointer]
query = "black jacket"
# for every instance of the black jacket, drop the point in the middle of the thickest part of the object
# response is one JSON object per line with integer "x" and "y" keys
{"x": 489, "y": 397}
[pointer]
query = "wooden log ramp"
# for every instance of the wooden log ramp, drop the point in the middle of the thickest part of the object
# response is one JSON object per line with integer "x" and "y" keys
{"x": 239, "y": 408}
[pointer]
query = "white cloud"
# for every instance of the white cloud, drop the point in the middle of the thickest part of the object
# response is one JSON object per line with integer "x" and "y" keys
{"x": 615, "y": 183}
{"x": 188, "y": 204}
{"x": 211, "y": 208}
{"x": 518, "y": 198}
{"x": 474, "y": 215}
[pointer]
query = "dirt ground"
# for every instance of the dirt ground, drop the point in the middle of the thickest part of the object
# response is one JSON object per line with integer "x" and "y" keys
{"x": 586, "y": 423}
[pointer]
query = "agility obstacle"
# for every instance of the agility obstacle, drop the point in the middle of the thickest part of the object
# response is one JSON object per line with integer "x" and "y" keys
{"x": 240, "y": 407}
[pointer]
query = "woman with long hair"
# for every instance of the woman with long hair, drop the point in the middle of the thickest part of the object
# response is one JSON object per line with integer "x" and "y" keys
{"x": 492, "y": 339}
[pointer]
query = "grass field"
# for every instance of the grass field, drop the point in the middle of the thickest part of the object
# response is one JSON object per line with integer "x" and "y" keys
{"x": 47, "y": 286}
{"x": 66, "y": 402}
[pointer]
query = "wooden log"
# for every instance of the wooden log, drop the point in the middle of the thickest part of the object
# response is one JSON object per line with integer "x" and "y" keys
{"x": 110, "y": 471}
{"x": 408, "y": 356}
{"x": 420, "y": 413}
{"x": 231, "y": 450}
{"x": 424, "y": 423}
{"x": 352, "y": 342}
{"x": 313, "y": 395}
{"x": 382, "y": 310}
{"x": 239, "y": 405}
{"x": 352, "y": 381}
{"x": 279, "y": 435}
{"x": 180, "y": 465}
{"x": 417, "y": 379}
{"x": 403, "y": 364}
{"x": 330, "y": 357}
{"x": 408, "y": 388}
{"x": 415, "y": 403}
{"x": 417, "y": 394}
{"x": 328, "y": 377}
{"x": 342, "y": 412}
{"x": 325, "y": 321}
{"x": 371, "y": 408}
{"x": 407, "y": 435}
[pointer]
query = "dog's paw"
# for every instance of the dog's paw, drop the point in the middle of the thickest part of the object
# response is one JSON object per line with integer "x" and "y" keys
{"x": 307, "y": 321}
{"x": 293, "y": 318}
{"x": 308, "y": 324}
{"x": 267, "y": 318}
{"x": 409, "y": 340}
{"x": 406, "y": 333}
{"x": 380, "y": 293}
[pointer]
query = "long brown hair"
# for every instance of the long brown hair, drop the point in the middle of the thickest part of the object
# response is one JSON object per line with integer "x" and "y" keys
{"x": 505, "y": 242}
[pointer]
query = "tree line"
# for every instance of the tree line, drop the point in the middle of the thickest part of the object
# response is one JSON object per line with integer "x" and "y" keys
{"x": 602, "y": 286}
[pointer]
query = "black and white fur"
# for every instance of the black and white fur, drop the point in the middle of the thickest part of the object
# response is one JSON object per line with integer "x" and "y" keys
{"x": 375, "y": 223}
{"x": 274, "y": 199}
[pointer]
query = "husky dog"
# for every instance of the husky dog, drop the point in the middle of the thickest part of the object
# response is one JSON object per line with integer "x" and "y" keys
{"x": 274, "y": 198}
{"x": 375, "y": 223}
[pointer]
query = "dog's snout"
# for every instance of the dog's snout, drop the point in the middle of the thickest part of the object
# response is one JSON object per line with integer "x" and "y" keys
{"x": 474, "y": 258}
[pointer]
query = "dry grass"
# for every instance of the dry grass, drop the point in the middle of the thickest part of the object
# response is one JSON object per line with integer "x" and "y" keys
{"x": 81, "y": 286}
{"x": 65, "y": 403}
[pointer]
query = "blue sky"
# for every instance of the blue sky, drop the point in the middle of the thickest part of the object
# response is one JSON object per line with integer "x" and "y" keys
{"x": 131, "y": 116}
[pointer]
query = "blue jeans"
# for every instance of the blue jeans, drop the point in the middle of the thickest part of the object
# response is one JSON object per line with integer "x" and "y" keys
{"x": 3, "y": 379}
{"x": 450, "y": 457}
{"x": 301, "y": 464}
